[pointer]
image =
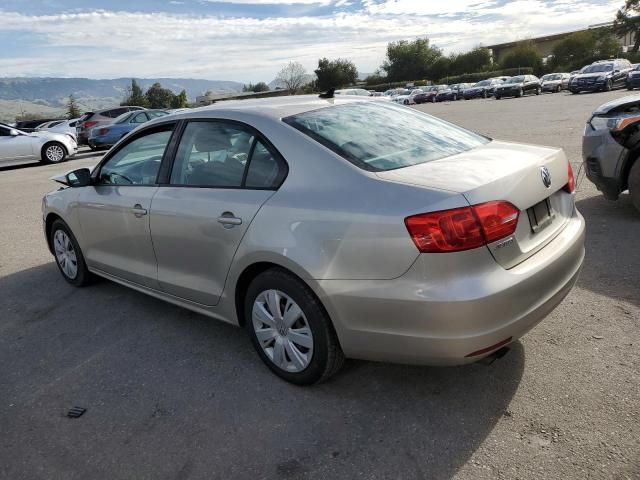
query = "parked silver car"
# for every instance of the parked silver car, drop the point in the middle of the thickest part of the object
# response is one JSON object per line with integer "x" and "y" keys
{"x": 329, "y": 228}
{"x": 555, "y": 82}
{"x": 18, "y": 147}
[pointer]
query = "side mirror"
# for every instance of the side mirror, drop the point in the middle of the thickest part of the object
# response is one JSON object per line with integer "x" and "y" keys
{"x": 79, "y": 178}
{"x": 13, "y": 132}
{"x": 76, "y": 178}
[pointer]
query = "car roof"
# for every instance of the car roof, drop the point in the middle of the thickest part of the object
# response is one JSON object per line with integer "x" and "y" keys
{"x": 274, "y": 107}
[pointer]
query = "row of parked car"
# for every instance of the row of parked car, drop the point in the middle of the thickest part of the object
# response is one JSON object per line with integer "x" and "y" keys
{"x": 54, "y": 141}
{"x": 602, "y": 75}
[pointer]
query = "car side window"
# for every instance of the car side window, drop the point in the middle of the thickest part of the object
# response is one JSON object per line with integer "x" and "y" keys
{"x": 137, "y": 162}
{"x": 212, "y": 154}
{"x": 265, "y": 170}
{"x": 139, "y": 118}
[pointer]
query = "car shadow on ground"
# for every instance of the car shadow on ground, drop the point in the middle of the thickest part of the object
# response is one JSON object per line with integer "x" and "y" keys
{"x": 173, "y": 394}
{"x": 610, "y": 222}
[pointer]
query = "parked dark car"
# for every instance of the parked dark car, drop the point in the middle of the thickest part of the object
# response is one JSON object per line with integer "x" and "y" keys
{"x": 602, "y": 75}
{"x": 31, "y": 125}
{"x": 611, "y": 148}
{"x": 482, "y": 89}
{"x": 98, "y": 118}
{"x": 518, "y": 86}
{"x": 555, "y": 82}
{"x": 633, "y": 78}
{"x": 452, "y": 93}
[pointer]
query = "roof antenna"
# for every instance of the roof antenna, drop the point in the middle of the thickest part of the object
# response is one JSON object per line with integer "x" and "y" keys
{"x": 328, "y": 94}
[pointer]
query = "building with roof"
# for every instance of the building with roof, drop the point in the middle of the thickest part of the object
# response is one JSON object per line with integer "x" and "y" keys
{"x": 546, "y": 43}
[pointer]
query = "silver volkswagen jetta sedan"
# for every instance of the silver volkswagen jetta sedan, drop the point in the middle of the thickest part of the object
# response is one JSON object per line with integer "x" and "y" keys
{"x": 329, "y": 228}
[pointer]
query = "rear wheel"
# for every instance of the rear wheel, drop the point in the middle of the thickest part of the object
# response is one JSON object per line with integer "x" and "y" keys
{"x": 290, "y": 329}
{"x": 558, "y": 89}
{"x": 53, "y": 152}
{"x": 68, "y": 255}
{"x": 634, "y": 184}
{"x": 497, "y": 97}
{"x": 608, "y": 86}
{"x": 484, "y": 94}
{"x": 520, "y": 93}
{"x": 538, "y": 91}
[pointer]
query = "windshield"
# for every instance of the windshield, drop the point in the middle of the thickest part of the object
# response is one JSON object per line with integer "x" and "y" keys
{"x": 600, "y": 67}
{"x": 483, "y": 83}
{"x": 518, "y": 79}
{"x": 378, "y": 137}
{"x": 552, "y": 76}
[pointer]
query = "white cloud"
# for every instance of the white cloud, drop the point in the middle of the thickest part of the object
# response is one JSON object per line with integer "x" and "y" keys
{"x": 106, "y": 44}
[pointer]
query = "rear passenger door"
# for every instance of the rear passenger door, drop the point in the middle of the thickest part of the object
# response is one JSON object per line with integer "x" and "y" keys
{"x": 221, "y": 175}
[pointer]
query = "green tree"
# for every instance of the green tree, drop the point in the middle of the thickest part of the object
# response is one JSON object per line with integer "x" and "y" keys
{"x": 582, "y": 48}
{"x": 257, "y": 88}
{"x": 335, "y": 73}
{"x": 376, "y": 78}
{"x": 135, "y": 96}
{"x": 524, "y": 54}
{"x": 291, "y": 77}
{"x": 476, "y": 60}
{"x": 440, "y": 68}
{"x": 158, "y": 97}
{"x": 409, "y": 60}
{"x": 73, "y": 110}
{"x": 628, "y": 21}
{"x": 180, "y": 100}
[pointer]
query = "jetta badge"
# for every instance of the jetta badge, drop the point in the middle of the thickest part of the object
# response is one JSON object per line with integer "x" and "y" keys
{"x": 546, "y": 176}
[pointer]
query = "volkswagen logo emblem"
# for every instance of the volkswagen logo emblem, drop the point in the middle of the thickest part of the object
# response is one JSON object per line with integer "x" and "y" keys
{"x": 546, "y": 176}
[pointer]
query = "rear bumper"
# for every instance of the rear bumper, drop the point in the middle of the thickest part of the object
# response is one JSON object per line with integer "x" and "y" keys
{"x": 100, "y": 142}
{"x": 433, "y": 315}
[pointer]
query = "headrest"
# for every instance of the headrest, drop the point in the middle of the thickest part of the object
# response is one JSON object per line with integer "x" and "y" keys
{"x": 211, "y": 139}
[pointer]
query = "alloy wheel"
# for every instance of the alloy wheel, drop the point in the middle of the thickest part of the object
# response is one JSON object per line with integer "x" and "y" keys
{"x": 54, "y": 153}
{"x": 282, "y": 330}
{"x": 65, "y": 254}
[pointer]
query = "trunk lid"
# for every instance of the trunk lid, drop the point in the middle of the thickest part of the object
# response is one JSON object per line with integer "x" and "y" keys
{"x": 504, "y": 171}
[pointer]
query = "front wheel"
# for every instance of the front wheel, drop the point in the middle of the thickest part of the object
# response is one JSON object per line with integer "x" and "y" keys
{"x": 520, "y": 93}
{"x": 608, "y": 86}
{"x": 484, "y": 94}
{"x": 634, "y": 184}
{"x": 53, "y": 152}
{"x": 538, "y": 91}
{"x": 290, "y": 329}
{"x": 454, "y": 98}
{"x": 558, "y": 89}
{"x": 68, "y": 255}
{"x": 497, "y": 97}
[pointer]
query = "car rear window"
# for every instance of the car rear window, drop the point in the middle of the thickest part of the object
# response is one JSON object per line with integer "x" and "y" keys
{"x": 379, "y": 137}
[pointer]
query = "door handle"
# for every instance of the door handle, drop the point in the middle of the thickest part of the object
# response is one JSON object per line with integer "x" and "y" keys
{"x": 138, "y": 211}
{"x": 229, "y": 220}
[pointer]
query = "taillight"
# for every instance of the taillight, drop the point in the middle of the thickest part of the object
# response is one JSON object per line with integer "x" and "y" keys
{"x": 570, "y": 187}
{"x": 86, "y": 125}
{"x": 103, "y": 131}
{"x": 463, "y": 228}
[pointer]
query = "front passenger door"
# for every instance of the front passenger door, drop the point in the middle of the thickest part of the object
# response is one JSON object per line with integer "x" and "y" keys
{"x": 114, "y": 211}
{"x": 222, "y": 174}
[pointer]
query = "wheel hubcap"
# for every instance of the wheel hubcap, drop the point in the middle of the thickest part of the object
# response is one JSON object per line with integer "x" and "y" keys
{"x": 282, "y": 330}
{"x": 65, "y": 254}
{"x": 55, "y": 153}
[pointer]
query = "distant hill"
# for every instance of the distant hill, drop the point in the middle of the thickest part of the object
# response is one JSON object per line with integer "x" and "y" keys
{"x": 45, "y": 95}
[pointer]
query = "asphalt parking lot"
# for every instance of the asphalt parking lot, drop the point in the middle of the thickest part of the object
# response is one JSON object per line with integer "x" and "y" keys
{"x": 173, "y": 395}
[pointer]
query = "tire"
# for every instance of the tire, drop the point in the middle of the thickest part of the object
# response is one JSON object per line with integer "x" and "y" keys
{"x": 538, "y": 91}
{"x": 433, "y": 99}
{"x": 63, "y": 242}
{"x": 53, "y": 152}
{"x": 559, "y": 89}
{"x": 484, "y": 94}
{"x": 629, "y": 87}
{"x": 406, "y": 102}
{"x": 498, "y": 97}
{"x": 520, "y": 93}
{"x": 573, "y": 92}
{"x": 326, "y": 356}
{"x": 634, "y": 184}
{"x": 608, "y": 86}
{"x": 454, "y": 98}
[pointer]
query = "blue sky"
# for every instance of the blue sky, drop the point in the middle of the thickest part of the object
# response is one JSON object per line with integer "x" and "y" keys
{"x": 250, "y": 40}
